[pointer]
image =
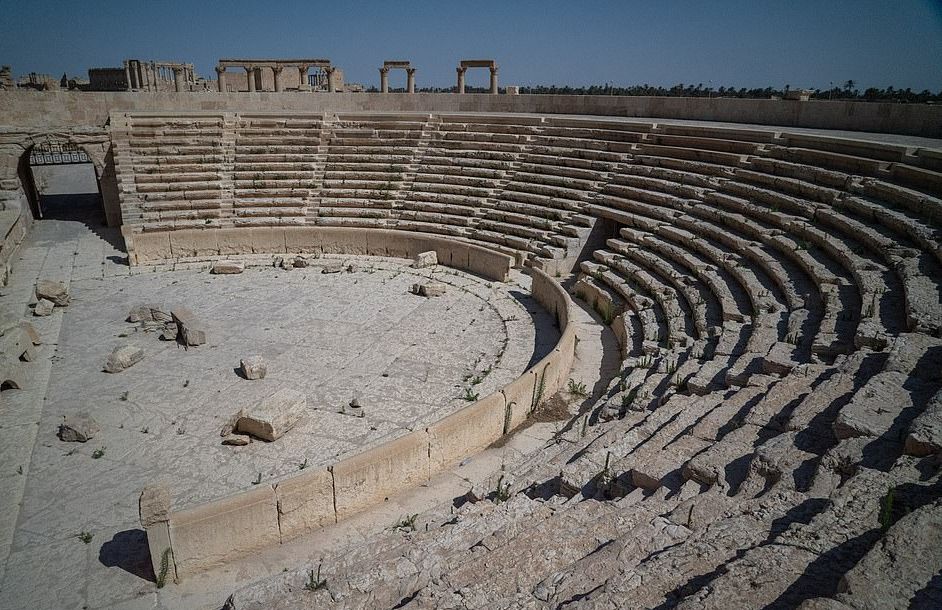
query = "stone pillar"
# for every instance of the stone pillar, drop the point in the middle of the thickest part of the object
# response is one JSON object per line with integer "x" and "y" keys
{"x": 410, "y": 80}
{"x": 276, "y": 76}
{"x": 154, "y": 511}
{"x": 221, "y": 79}
{"x": 331, "y": 84}
{"x": 494, "y": 80}
{"x": 179, "y": 79}
{"x": 250, "y": 77}
{"x": 384, "y": 80}
{"x": 461, "y": 80}
{"x": 302, "y": 78}
{"x": 127, "y": 74}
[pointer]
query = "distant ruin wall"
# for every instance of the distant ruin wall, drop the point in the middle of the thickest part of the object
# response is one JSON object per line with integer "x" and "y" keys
{"x": 61, "y": 108}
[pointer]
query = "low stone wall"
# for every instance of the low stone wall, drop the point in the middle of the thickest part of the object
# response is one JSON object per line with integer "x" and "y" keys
{"x": 14, "y": 224}
{"x": 157, "y": 247}
{"x": 189, "y": 541}
{"x": 64, "y": 109}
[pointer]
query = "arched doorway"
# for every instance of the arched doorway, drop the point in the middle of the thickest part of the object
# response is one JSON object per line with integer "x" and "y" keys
{"x": 61, "y": 182}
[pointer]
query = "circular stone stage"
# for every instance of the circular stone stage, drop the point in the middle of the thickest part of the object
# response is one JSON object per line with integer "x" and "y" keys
{"x": 361, "y": 333}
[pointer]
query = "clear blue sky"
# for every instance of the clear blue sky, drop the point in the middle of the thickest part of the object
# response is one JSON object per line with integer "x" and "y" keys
{"x": 750, "y": 43}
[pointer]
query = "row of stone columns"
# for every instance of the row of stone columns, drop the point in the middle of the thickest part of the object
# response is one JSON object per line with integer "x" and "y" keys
{"x": 254, "y": 77}
{"x": 384, "y": 79}
{"x": 147, "y": 75}
{"x": 461, "y": 72}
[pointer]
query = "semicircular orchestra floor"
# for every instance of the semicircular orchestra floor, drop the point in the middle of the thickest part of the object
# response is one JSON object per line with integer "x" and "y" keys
{"x": 361, "y": 333}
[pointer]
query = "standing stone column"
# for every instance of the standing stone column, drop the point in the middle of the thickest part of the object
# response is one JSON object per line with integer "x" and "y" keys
{"x": 494, "y": 80}
{"x": 221, "y": 79}
{"x": 410, "y": 80}
{"x": 331, "y": 83}
{"x": 461, "y": 80}
{"x": 178, "y": 79}
{"x": 276, "y": 75}
{"x": 250, "y": 76}
{"x": 302, "y": 78}
{"x": 127, "y": 74}
{"x": 384, "y": 80}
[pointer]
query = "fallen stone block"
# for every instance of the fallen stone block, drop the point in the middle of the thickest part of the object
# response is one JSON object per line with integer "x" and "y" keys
{"x": 425, "y": 259}
{"x": 332, "y": 268}
{"x": 78, "y": 428}
{"x": 31, "y": 332}
{"x": 170, "y": 332}
{"x": 300, "y": 262}
{"x": 191, "y": 331}
{"x": 57, "y": 292}
{"x": 147, "y": 313}
{"x": 227, "y": 268}
{"x": 123, "y": 356}
{"x": 271, "y": 417}
{"x": 43, "y": 308}
{"x": 429, "y": 289}
{"x": 253, "y": 367}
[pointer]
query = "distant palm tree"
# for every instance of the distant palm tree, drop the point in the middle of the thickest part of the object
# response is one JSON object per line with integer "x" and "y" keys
{"x": 849, "y": 85}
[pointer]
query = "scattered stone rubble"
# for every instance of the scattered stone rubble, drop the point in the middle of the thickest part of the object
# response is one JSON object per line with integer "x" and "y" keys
{"x": 79, "y": 428}
{"x": 253, "y": 367}
{"x": 269, "y": 419}
{"x": 190, "y": 328}
{"x": 123, "y": 357}
{"x": 425, "y": 259}
{"x": 429, "y": 289}
{"x": 57, "y": 292}
{"x": 227, "y": 268}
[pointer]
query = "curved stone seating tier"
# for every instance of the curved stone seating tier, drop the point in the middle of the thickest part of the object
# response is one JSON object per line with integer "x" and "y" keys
{"x": 760, "y": 284}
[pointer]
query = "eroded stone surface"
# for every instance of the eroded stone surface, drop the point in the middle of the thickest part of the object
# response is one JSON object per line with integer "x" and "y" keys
{"x": 122, "y": 357}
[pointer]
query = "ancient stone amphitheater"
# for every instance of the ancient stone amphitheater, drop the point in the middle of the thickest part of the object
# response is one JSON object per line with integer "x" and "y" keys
{"x": 739, "y": 405}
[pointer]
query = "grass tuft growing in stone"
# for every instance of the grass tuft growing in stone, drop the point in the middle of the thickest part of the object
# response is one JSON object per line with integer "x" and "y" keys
{"x": 577, "y": 388}
{"x": 315, "y": 583}
{"x": 85, "y": 537}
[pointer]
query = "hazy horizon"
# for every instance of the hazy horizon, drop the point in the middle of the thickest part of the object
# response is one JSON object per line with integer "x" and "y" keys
{"x": 735, "y": 43}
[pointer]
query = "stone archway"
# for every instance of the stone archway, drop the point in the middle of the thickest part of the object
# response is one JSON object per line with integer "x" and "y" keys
{"x": 390, "y": 65}
{"x": 477, "y": 63}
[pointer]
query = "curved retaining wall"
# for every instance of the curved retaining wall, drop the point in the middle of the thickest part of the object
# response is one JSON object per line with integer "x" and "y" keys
{"x": 154, "y": 247}
{"x": 205, "y": 536}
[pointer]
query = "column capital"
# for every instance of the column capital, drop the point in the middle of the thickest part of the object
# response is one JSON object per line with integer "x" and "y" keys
{"x": 410, "y": 71}
{"x": 249, "y": 69}
{"x": 461, "y": 70}
{"x": 493, "y": 70}
{"x": 277, "y": 69}
{"x": 384, "y": 70}
{"x": 220, "y": 69}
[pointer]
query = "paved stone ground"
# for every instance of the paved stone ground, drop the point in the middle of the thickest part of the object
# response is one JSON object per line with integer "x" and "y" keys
{"x": 408, "y": 360}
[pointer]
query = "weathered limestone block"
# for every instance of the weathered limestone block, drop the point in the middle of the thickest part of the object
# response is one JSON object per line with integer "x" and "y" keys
{"x": 154, "y": 512}
{"x": 253, "y": 367}
{"x": 332, "y": 268}
{"x": 425, "y": 259}
{"x": 43, "y": 308}
{"x": 305, "y": 502}
{"x": 57, "y": 292}
{"x": 78, "y": 428}
{"x": 429, "y": 289}
{"x": 191, "y": 330}
{"x": 148, "y": 313}
{"x": 899, "y": 566}
{"x": 31, "y": 333}
{"x": 123, "y": 356}
{"x": 227, "y": 268}
{"x": 300, "y": 262}
{"x": 925, "y": 433}
{"x": 875, "y": 407}
{"x": 271, "y": 417}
